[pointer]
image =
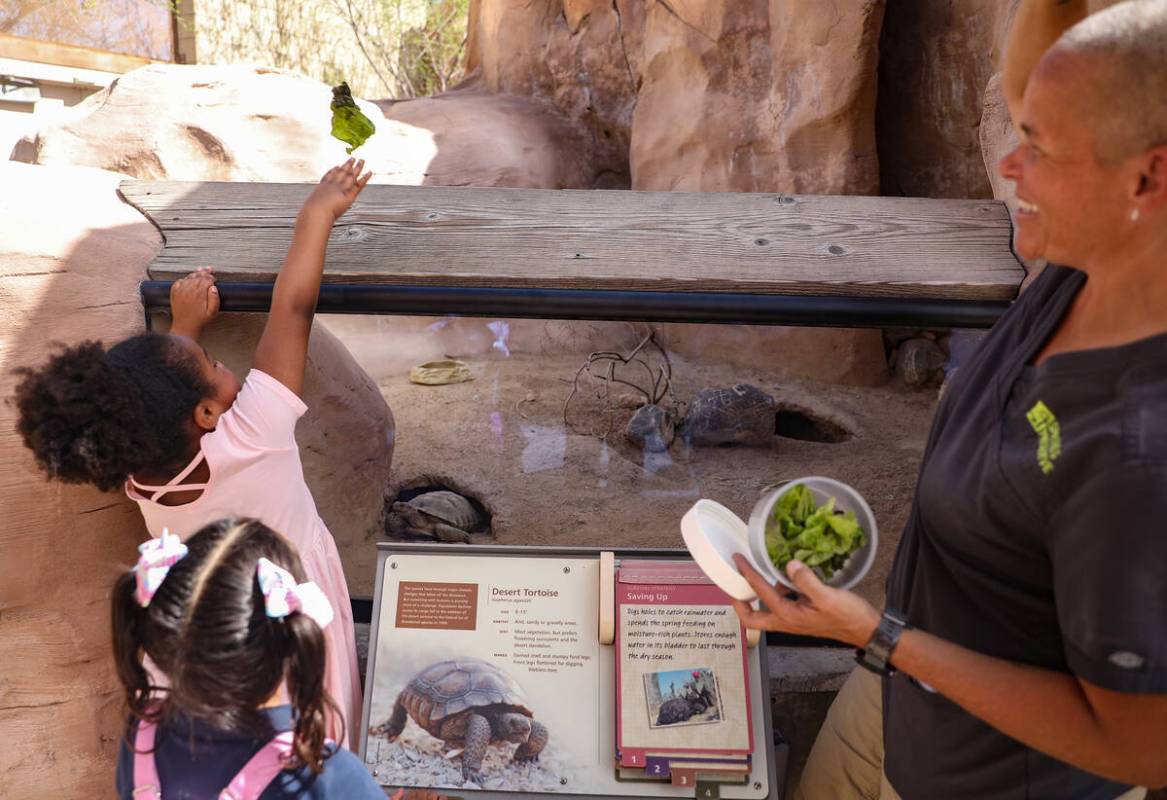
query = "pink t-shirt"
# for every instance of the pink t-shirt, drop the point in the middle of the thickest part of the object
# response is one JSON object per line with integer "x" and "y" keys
{"x": 255, "y": 471}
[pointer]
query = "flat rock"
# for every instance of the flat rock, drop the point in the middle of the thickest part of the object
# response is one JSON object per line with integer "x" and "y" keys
{"x": 651, "y": 428}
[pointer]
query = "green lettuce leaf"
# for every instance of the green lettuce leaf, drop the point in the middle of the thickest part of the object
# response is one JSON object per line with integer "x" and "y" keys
{"x": 348, "y": 123}
{"x": 819, "y": 536}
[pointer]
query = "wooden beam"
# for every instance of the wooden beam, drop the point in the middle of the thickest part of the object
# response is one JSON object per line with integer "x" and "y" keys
{"x": 68, "y": 55}
{"x": 532, "y": 238}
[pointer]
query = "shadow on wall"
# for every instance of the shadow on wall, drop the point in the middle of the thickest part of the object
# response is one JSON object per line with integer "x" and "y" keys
{"x": 72, "y": 257}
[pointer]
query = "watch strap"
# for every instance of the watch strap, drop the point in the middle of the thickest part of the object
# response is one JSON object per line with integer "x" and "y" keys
{"x": 876, "y": 654}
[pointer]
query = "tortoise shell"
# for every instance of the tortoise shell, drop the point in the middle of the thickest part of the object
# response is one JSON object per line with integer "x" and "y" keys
{"x": 449, "y": 688}
{"x": 448, "y": 507}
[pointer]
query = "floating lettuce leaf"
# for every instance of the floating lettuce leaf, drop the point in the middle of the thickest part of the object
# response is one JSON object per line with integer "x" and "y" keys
{"x": 819, "y": 536}
{"x": 348, "y": 123}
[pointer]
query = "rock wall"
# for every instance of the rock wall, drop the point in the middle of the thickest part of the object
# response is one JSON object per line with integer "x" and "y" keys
{"x": 60, "y": 230}
{"x": 483, "y": 139}
{"x": 756, "y": 95}
{"x": 579, "y": 55}
{"x": 935, "y": 60}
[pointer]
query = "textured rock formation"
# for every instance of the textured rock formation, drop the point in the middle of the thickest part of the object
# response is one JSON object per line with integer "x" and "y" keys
{"x": 219, "y": 123}
{"x": 59, "y": 699}
{"x": 580, "y": 55}
{"x": 758, "y": 96}
{"x": 936, "y": 59}
{"x": 997, "y": 139}
{"x": 483, "y": 139}
{"x": 830, "y": 355}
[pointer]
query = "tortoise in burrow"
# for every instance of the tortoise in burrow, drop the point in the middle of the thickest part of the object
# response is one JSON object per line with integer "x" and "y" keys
{"x": 471, "y": 704}
{"x": 740, "y": 414}
{"x": 443, "y": 515}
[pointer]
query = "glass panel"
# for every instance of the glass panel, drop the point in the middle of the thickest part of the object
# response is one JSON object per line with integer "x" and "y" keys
{"x": 537, "y": 424}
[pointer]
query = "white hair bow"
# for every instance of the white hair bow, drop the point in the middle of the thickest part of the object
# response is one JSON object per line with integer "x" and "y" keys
{"x": 155, "y": 559}
{"x": 282, "y": 595}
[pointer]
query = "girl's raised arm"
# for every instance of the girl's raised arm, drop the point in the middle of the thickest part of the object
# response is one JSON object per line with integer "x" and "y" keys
{"x": 283, "y": 348}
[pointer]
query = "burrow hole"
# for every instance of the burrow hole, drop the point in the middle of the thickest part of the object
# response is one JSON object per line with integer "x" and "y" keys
{"x": 793, "y": 422}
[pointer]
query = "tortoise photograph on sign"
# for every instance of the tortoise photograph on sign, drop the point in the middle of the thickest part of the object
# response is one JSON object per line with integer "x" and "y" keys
{"x": 466, "y": 723}
{"x": 682, "y": 697}
{"x": 470, "y": 705}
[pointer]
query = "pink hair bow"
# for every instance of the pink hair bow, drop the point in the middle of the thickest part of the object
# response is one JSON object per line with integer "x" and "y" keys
{"x": 282, "y": 595}
{"x": 155, "y": 558}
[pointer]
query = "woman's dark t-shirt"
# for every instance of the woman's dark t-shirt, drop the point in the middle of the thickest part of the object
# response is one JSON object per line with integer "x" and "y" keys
{"x": 1038, "y": 535}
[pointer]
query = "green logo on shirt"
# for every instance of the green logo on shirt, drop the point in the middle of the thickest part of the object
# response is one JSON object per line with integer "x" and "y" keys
{"x": 1049, "y": 436}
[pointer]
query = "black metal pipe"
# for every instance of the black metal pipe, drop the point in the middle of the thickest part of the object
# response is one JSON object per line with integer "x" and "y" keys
{"x": 630, "y": 306}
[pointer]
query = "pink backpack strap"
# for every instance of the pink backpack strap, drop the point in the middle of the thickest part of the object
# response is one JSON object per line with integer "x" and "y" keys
{"x": 146, "y": 783}
{"x": 261, "y": 770}
{"x": 251, "y": 781}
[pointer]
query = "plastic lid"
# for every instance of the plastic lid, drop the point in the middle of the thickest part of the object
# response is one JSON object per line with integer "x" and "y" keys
{"x": 713, "y": 534}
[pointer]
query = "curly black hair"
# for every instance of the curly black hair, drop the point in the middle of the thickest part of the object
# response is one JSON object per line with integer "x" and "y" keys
{"x": 97, "y": 416}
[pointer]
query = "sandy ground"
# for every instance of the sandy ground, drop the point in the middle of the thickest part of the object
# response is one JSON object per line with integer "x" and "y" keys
{"x": 423, "y": 759}
{"x": 501, "y": 437}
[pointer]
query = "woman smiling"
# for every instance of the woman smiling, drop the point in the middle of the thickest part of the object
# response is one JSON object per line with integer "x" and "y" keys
{"x": 1023, "y": 651}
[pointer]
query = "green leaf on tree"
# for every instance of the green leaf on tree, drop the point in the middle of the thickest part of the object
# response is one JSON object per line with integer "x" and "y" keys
{"x": 348, "y": 123}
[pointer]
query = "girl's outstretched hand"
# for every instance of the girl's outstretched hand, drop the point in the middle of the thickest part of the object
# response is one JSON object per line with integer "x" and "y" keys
{"x": 338, "y": 188}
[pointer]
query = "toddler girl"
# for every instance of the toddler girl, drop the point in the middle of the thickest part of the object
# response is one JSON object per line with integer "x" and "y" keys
{"x": 240, "y": 634}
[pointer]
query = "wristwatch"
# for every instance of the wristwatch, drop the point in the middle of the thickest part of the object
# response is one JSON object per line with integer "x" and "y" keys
{"x": 878, "y": 650}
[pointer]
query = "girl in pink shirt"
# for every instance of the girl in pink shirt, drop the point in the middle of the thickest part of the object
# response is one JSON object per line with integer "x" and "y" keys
{"x": 189, "y": 443}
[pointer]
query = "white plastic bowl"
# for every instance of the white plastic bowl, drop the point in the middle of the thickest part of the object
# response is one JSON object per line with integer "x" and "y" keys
{"x": 846, "y": 499}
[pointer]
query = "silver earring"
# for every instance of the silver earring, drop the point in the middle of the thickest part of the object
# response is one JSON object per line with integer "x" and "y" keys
{"x": 1134, "y": 215}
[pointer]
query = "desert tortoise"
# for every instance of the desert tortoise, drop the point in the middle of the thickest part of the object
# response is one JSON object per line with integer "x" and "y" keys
{"x": 443, "y": 515}
{"x": 741, "y": 414}
{"x": 472, "y": 704}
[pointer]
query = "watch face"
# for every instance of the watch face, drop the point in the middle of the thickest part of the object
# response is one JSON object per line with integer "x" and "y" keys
{"x": 896, "y": 616}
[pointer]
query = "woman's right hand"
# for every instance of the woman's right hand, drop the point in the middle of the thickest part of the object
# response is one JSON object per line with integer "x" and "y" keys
{"x": 337, "y": 190}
